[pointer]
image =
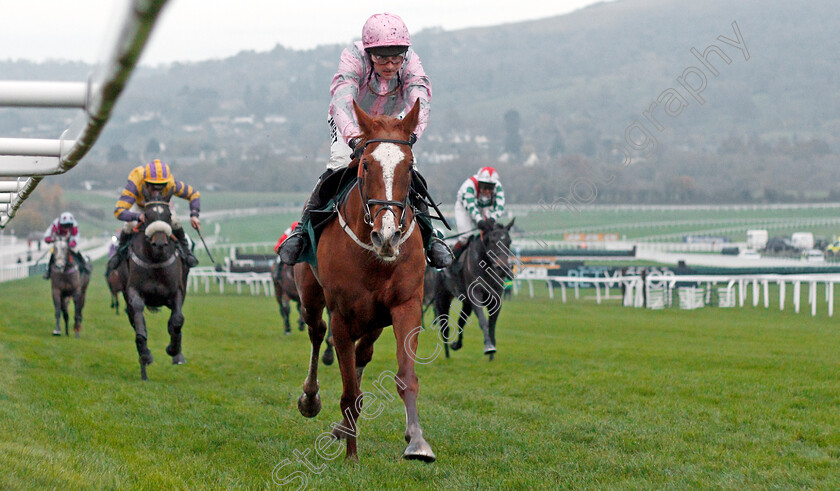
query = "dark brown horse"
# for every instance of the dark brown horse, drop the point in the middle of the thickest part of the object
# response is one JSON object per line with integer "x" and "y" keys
{"x": 477, "y": 279}
{"x": 155, "y": 277}
{"x": 67, "y": 282}
{"x": 116, "y": 283}
{"x": 285, "y": 291}
{"x": 369, "y": 275}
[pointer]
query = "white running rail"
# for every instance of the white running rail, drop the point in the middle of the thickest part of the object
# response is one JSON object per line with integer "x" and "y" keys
{"x": 25, "y": 161}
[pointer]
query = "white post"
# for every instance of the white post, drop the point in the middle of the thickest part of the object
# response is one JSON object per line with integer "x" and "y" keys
{"x": 766, "y": 294}
{"x": 755, "y": 292}
{"x": 597, "y": 293}
{"x": 796, "y": 293}
{"x": 782, "y": 284}
{"x": 563, "y": 291}
{"x": 550, "y": 289}
{"x": 829, "y": 288}
{"x": 577, "y": 290}
{"x": 812, "y": 292}
{"x": 531, "y": 288}
{"x": 741, "y": 292}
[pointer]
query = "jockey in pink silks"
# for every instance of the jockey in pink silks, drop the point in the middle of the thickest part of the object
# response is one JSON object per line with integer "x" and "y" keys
{"x": 383, "y": 74}
{"x": 65, "y": 226}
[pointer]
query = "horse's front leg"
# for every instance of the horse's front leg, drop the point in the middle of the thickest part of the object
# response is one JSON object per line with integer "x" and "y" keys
{"x": 78, "y": 305}
{"x": 491, "y": 327}
{"x": 309, "y": 403}
{"x": 285, "y": 311}
{"x": 136, "y": 306}
{"x": 56, "y": 297}
{"x": 483, "y": 323}
{"x": 301, "y": 324}
{"x": 176, "y": 322}
{"x": 65, "y": 312}
{"x": 406, "y": 320}
{"x": 442, "y": 304}
{"x": 329, "y": 352}
{"x": 463, "y": 318}
{"x": 346, "y": 350}
{"x": 364, "y": 353}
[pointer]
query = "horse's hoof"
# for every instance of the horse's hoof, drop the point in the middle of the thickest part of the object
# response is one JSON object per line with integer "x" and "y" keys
{"x": 57, "y": 332}
{"x": 309, "y": 407}
{"x": 455, "y": 346}
{"x": 301, "y": 326}
{"x": 77, "y": 335}
{"x": 419, "y": 450}
{"x": 287, "y": 331}
{"x": 328, "y": 358}
{"x": 489, "y": 349}
{"x": 143, "y": 375}
{"x": 172, "y": 351}
{"x": 146, "y": 359}
{"x": 179, "y": 359}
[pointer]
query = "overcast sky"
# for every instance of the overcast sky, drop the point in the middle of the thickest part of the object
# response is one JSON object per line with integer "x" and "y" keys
{"x": 193, "y": 30}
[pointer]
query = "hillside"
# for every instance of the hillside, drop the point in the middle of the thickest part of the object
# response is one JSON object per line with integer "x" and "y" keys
{"x": 554, "y": 93}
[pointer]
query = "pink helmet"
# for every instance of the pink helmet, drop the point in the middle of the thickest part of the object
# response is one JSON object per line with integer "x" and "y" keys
{"x": 385, "y": 30}
{"x": 488, "y": 175}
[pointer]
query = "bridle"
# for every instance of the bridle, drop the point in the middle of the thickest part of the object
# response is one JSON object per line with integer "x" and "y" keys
{"x": 386, "y": 205}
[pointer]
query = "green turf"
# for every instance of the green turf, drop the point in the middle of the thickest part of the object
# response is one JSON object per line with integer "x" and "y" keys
{"x": 579, "y": 396}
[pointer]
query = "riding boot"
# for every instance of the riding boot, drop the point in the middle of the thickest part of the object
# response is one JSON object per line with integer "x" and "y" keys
{"x": 119, "y": 253}
{"x": 291, "y": 248}
{"x": 185, "y": 247}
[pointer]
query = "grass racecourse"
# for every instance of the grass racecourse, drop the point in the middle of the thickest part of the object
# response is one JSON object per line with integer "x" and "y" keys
{"x": 579, "y": 396}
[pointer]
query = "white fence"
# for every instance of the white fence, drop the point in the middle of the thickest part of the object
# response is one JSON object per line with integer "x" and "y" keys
{"x": 255, "y": 283}
{"x": 657, "y": 292}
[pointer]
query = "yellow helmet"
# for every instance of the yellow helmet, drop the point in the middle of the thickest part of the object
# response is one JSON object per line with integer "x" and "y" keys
{"x": 157, "y": 173}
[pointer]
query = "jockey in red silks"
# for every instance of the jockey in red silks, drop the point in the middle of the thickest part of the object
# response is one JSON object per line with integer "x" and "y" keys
{"x": 383, "y": 74}
{"x": 65, "y": 226}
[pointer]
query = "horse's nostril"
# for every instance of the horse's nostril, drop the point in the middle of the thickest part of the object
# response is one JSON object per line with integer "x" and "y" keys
{"x": 376, "y": 238}
{"x": 395, "y": 239}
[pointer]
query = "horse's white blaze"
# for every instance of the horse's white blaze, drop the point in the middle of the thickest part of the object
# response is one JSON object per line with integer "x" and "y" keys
{"x": 389, "y": 156}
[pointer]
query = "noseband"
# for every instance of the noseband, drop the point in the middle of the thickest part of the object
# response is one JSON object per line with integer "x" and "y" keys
{"x": 386, "y": 205}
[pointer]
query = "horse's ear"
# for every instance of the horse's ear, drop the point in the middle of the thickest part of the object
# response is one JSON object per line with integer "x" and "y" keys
{"x": 365, "y": 121}
{"x": 409, "y": 122}
{"x": 510, "y": 225}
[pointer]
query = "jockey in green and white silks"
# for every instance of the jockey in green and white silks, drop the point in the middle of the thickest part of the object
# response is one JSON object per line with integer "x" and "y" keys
{"x": 481, "y": 198}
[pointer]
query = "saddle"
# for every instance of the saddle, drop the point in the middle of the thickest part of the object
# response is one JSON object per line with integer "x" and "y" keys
{"x": 334, "y": 190}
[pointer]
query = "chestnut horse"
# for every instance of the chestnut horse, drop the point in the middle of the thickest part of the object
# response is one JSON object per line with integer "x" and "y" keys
{"x": 67, "y": 282}
{"x": 369, "y": 274}
{"x": 155, "y": 277}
